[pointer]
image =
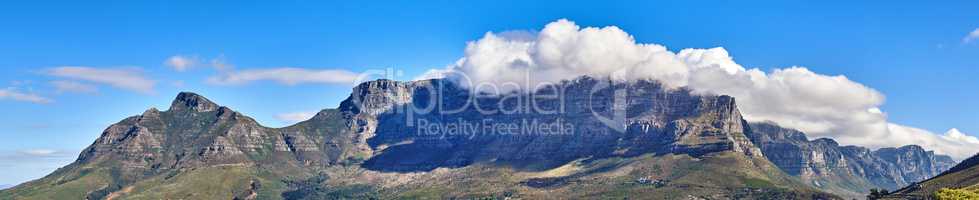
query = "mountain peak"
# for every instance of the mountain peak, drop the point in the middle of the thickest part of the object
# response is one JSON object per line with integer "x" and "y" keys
{"x": 192, "y": 101}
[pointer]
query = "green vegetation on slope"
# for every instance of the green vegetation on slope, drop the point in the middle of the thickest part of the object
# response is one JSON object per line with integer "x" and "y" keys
{"x": 66, "y": 183}
{"x": 958, "y": 194}
{"x": 219, "y": 182}
{"x": 206, "y": 183}
{"x": 716, "y": 176}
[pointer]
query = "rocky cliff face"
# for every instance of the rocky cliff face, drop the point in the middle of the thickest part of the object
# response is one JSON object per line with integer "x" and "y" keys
{"x": 196, "y": 132}
{"x": 461, "y": 128}
{"x": 824, "y": 163}
{"x": 193, "y": 132}
{"x": 959, "y": 182}
{"x": 912, "y": 163}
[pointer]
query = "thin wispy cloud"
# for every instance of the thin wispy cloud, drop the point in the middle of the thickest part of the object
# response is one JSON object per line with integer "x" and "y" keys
{"x": 972, "y": 36}
{"x": 16, "y": 95}
{"x": 63, "y": 86}
{"x": 132, "y": 79}
{"x": 180, "y": 62}
{"x": 183, "y": 63}
{"x": 39, "y": 152}
{"x": 220, "y": 63}
{"x": 294, "y": 117}
{"x": 285, "y": 76}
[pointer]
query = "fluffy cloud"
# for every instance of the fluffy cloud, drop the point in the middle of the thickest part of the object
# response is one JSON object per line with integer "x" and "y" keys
{"x": 795, "y": 97}
{"x": 180, "y": 63}
{"x": 285, "y": 75}
{"x": 972, "y": 36}
{"x": 62, "y": 86}
{"x": 14, "y": 94}
{"x": 295, "y": 117}
{"x": 128, "y": 79}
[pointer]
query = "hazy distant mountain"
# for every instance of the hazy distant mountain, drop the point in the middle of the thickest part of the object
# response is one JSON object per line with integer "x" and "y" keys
{"x": 660, "y": 143}
{"x": 5, "y": 186}
{"x": 846, "y": 170}
{"x": 961, "y": 181}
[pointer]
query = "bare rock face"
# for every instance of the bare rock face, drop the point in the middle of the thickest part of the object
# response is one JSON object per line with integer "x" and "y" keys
{"x": 823, "y": 161}
{"x": 196, "y": 132}
{"x": 962, "y": 176}
{"x": 423, "y": 125}
{"x": 914, "y": 164}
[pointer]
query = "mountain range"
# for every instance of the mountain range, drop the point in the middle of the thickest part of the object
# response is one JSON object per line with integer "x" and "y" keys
{"x": 436, "y": 139}
{"x": 959, "y": 182}
{"x": 846, "y": 170}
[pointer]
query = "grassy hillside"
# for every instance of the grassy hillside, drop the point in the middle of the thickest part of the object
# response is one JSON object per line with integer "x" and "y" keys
{"x": 218, "y": 182}
{"x": 717, "y": 176}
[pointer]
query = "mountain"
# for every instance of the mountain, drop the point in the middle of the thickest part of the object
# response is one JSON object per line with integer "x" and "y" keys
{"x": 434, "y": 139}
{"x": 846, "y": 170}
{"x": 959, "y": 182}
{"x": 5, "y": 186}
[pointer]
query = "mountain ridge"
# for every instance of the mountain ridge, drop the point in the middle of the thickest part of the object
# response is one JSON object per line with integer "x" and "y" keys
{"x": 673, "y": 144}
{"x": 961, "y": 181}
{"x": 850, "y": 170}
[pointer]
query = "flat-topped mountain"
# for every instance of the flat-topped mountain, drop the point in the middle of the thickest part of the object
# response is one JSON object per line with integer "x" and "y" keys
{"x": 653, "y": 120}
{"x": 582, "y": 138}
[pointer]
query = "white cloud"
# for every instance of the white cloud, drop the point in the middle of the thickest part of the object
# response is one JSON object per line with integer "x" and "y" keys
{"x": 433, "y": 74}
{"x": 822, "y": 105}
{"x": 180, "y": 62}
{"x": 62, "y": 86}
{"x": 285, "y": 75}
{"x": 39, "y": 152}
{"x": 972, "y": 36}
{"x": 14, "y": 94}
{"x": 129, "y": 79}
{"x": 952, "y": 142}
{"x": 294, "y": 117}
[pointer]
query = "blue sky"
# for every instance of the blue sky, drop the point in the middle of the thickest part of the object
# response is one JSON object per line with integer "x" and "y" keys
{"x": 915, "y": 54}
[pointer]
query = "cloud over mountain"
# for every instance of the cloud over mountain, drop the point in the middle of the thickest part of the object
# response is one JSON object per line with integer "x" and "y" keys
{"x": 822, "y": 105}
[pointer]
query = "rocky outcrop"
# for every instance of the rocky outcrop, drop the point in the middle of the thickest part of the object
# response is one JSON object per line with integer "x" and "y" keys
{"x": 912, "y": 163}
{"x": 824, "y": 163}
{"x": 196, "y": 132}
{"x": 964, "y": 176}
{"x": 434, "y": 123}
